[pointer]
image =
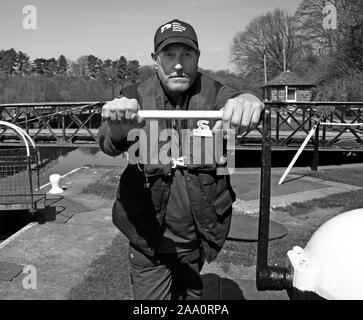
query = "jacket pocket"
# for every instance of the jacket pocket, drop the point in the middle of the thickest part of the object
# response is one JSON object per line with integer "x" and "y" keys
{"x": 223, "y": 202}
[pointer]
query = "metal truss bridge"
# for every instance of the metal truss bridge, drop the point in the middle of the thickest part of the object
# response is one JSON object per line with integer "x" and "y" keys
{"x": 76, "y": 124}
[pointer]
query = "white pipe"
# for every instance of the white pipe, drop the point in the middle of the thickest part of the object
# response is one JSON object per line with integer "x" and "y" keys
{"x": 298, "y": 153}
{"x": 181, "y": 114}
{"x": 22, "y": 130}
{"x": 19, "y": 132}
{"x": 340, "y": 124}
{"x": 25, "y": 134}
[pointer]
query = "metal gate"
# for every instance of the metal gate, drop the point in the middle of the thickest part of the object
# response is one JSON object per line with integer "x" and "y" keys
{"x": 19, "y": 174}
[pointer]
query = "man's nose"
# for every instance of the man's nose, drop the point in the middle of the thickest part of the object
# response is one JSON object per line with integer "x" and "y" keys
{"x": 178, "y": 67}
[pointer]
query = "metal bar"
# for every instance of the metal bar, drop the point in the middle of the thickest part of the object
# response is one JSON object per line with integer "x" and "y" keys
{"x": 180, "y": 114}
{"x": 280, "y": 103}
{"x": 286, "y": 140}
{"x": 285, "y": 120}
{"x": 80, "y": 125}
{"x": 358, "y": 124}
{"x": 321, "y": 103}
{"x": 45, "y": 125}
{"x": 63, "y": 129}
{"x": 300, "y": 125}
{"x": 343, "y": 130}
{"x": 277, "y": 124}
{"x": 33, "y": 208}
{"x": 315, "y": 162}
{"x": 265, "y": 192}
{"x": 304, "y": 116}
{"x": 51, "y": 104}
{"x": 267, "y": 277}
{"x": 324, "y": 135}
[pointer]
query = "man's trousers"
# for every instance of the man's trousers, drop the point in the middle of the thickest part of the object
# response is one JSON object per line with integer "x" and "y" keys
{"x": 167, "y": 276}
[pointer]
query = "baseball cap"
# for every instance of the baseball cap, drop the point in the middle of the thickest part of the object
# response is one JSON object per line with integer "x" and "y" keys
{"x": 175, "y": 31}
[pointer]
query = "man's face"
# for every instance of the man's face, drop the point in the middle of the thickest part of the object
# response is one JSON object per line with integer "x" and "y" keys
{"x": 177, "y": 67}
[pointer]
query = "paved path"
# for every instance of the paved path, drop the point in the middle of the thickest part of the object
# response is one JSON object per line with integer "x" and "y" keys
{"x": 63, "y": 250}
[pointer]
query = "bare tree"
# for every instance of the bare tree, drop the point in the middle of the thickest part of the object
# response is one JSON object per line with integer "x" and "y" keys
{"x": 268, "y": 34}
{"x": 309, "y": 18}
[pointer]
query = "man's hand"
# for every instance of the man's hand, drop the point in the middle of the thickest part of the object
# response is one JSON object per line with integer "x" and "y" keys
{"x": 241, "y": 113}
{"x": 121, "y": 116}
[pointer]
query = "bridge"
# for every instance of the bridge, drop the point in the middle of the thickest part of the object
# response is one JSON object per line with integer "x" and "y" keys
{"x": 75, "y": 124}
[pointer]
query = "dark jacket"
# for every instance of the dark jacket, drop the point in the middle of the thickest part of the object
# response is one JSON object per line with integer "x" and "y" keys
{"x": 139, "y": 210}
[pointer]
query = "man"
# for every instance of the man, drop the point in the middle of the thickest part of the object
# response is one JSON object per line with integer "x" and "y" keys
{"x": 175, "y": 215}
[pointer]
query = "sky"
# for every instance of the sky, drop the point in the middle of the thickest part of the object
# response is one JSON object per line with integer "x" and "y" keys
{"x": 112, "y": 28}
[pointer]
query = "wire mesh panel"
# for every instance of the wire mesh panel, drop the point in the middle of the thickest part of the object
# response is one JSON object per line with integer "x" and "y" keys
{"x": 19, "y": 176}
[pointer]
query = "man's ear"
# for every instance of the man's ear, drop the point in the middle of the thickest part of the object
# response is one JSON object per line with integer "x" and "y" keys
{"x": 198, "y": 55}
{"x": 154, "y": 57}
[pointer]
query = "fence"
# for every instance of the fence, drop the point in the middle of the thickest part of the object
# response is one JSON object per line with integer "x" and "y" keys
{"x": 77, "y": 123}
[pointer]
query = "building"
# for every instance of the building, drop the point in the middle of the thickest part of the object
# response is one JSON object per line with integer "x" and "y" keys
{"x": 288, "y": 87}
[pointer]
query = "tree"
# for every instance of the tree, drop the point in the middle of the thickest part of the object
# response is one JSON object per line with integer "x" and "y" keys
{"x": 133, "y": 67}
{"x": 267, "y": 34}
{"x": 8, "y": 61}
{"x": 146, "y": 72}
{"x": 52, "y": 67}
{"x": 109, "y": 75}
{"x": 121, "y": 70}
{"x": 40, "y": 66}
{"x": 310, "y": 16}
{"x": 354, "y": 46}
{"x": 46, "y": 67}
{"x": 94, "y": 65}
{"x": 79, "y": 68}
{"x": 23, "y": 66}
{"x": 62, "y": 65}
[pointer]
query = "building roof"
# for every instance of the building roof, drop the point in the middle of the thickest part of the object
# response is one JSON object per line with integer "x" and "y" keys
{"x": 287, "y": 78}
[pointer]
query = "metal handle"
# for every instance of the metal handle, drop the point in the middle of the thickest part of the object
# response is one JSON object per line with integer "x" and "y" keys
{"x": 181, "y": 114}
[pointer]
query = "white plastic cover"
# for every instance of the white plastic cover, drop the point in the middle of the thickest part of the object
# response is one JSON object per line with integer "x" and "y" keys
{"x": 331, "y": 264}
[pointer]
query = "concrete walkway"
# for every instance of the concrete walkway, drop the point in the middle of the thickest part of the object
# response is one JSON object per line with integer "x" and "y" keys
{"x": 62, "y": 250}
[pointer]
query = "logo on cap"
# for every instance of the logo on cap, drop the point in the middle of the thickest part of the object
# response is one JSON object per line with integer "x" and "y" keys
{"x": 164, "y": 27}
{"x": 176, "y": 27}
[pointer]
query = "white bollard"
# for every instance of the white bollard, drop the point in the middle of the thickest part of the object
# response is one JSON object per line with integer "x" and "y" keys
{"x": 331, "y": 264}
{"x": 54, "y": 182}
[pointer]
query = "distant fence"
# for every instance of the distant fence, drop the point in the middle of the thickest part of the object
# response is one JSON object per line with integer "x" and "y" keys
{"x": 77, "y": 123}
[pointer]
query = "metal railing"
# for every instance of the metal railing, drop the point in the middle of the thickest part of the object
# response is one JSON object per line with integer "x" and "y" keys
{"x": 77, "y": 123}
{"x": 53, "y": 123}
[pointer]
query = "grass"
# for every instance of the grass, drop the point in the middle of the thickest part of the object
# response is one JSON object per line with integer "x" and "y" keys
{"x": 353, "y": 176}
{"x": 347, "y": 200}
{"x": 108, "y": 276}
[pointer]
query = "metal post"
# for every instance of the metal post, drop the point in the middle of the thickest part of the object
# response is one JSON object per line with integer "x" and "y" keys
{"x": 265, "y": 192}
{"x": 277, "y": 124}
{"x": 63, "y": 126}
{"x": 324, "y": 132}
{"x": 267, "y": 277}
{"x": 33, "y": 207}
{"x": 315, "y": 162}
{"x": 26, "y": 122}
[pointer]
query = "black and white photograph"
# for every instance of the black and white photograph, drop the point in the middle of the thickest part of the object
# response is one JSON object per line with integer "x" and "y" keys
{"x": 203, "y": 152}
